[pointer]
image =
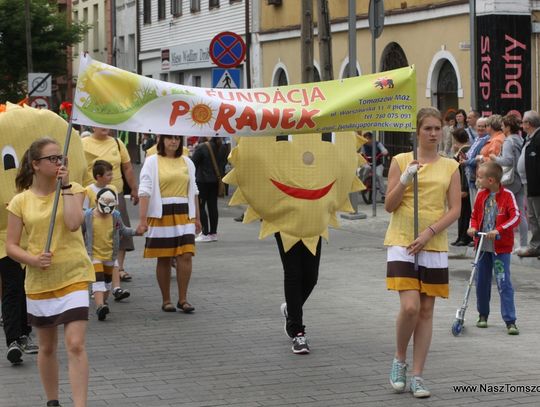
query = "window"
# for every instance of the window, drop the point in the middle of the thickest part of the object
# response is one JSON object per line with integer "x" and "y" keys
{"x": 195, "y": 5}
{"x": 95, "y": 27}
{"x": 147, "y": 12}
{"x": 176, "y": 7}
{"x": 78, "y": 45}
{"x": 213, "y": 4}
{"x": 197, "y": 81}
{"x": 161, "y": 10}
{"x": 131, "y": 57}
{"x": 85, "y": 20}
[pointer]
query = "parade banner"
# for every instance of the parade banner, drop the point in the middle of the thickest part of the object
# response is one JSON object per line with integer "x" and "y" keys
{"x": 110, "y": 97}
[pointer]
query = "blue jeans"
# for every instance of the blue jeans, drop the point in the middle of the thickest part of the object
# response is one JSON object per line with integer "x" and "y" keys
{"x": 498, "y": 264}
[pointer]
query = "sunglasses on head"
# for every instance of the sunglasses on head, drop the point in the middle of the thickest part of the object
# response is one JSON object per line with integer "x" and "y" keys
{"x": 52, "y": 158}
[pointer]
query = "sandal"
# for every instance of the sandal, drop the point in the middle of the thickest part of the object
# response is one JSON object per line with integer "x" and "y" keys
{"x": 124, "y": 275}
{"x": 185, "y": 307}
{"x": 168, "y": 307}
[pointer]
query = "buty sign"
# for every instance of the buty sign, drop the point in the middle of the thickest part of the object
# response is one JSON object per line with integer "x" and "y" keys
{"x": 504, "y": 64}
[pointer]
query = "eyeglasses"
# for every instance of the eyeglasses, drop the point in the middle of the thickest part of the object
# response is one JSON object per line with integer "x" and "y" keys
{"x": 52, "y": 158}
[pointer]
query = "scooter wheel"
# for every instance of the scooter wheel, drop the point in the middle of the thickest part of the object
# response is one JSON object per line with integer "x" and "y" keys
{"x": 457, "y": 328}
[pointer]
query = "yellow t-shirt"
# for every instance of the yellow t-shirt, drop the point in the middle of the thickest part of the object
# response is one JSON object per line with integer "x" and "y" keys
{"x": 153, "y": 150}
{"x": 102, "y": 240}
{"x": 173, "y": 177}
{"x": 433, "y": 183}
{"x": 70, "y": 262}
{"x": 91, "y": 192}
{"x": 95, "y": 149}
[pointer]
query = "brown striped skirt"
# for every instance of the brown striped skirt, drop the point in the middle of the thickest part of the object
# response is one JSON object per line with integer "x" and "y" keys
{"x": 174, "y": 233}
{"x": 431, "y": 278}
{"x": 104, "y": 272}
{"x": 52, "y": 308}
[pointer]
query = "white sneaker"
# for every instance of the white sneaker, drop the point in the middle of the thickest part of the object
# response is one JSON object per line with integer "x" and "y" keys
{"x": 213, "y": 237}
{"x": 203, "y": 238}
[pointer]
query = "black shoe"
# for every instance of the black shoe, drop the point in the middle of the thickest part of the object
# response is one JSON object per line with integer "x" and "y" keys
{"x": 102, "y": 312}
{"x": 300, "y": 345}
{"x": 461, "y": 243}
{"x": 53, "y": 403}
{"x": 27, "y": 345}
{"x": 14, "y": 353}
{"x": 454, "y": 243}
{"x": 119, "y": 294}
{"x": 239, "y": 218}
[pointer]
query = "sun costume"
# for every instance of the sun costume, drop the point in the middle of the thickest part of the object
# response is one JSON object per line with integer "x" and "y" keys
{"x": 295, "y": 184}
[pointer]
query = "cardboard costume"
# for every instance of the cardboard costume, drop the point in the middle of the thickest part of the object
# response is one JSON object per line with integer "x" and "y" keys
{"x": 297, "y": 183}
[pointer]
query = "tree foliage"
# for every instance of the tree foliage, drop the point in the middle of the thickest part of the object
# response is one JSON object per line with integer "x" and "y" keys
{"x": 51, "y": 35}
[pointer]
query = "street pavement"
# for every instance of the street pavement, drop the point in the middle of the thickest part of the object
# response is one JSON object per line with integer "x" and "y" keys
{"x": 232, "y": 350}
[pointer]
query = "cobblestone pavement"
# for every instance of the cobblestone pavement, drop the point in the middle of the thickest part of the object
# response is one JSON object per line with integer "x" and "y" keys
{"x": 232, "y": 350}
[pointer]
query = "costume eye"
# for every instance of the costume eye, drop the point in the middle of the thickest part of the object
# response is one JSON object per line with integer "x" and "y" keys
{"x": 329, "y": 137}
{"x": 9, "y": 158}
{"x": 284, "y": 138}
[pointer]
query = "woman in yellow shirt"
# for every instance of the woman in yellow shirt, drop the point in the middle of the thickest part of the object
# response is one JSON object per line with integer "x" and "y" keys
{"x": 169, "y": 211}
{"x": 439, "y": 195}
{"x": 57, "y": 281}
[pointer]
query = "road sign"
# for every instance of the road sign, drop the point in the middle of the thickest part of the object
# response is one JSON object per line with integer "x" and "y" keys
{"x": 39, "y": 84}
{"x": 226, "y": 78}
{"x": 376, "y": 17}
{"x": 227, "y": 50}
{"x": 40, "y": 102}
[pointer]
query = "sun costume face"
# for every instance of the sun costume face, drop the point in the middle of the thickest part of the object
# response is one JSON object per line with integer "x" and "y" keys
{"x": 19, "y": 127}
{"x": 295, "y": 184}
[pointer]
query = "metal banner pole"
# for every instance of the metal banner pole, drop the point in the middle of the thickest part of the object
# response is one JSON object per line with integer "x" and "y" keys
{"x": 57, "y": 193}
{"x": 415, "y": 192}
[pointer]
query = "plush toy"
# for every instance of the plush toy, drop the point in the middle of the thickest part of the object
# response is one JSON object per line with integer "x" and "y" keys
{"x": 19, "y": 127}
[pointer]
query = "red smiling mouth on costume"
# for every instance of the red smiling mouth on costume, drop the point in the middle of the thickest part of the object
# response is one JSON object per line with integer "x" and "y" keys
{"x": 302, "y": 193}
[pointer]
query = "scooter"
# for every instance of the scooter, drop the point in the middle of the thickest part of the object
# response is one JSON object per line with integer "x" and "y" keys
{"x": 457, "y": 326}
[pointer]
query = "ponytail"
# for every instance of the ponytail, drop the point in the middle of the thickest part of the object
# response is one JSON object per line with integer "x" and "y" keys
{"x": 26, "y": 173}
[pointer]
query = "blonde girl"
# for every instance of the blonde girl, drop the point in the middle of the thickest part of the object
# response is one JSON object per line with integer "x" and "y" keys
{"x": 439, "y": 192}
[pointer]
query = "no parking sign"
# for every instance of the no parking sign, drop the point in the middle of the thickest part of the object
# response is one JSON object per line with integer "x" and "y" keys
{"x": 227, "y": 49}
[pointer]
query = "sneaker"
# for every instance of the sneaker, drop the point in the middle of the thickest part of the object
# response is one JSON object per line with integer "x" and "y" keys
{"x": 482, "y": 322}
{"x": 213, "y": 237}
{"x": 283, "y": 309}
{"x": 203, "y": 238}
{"x": 418, "y": 388}
{"x": 102, "y": 312}
{"x": 14, "y": 353}
{"x": 300, "y": 345}
{"x": 398, "y": 375}
{"x": 239, "y": 218}
{"x": 119, "y": 294}
{"x": 512, "y": 329}
{"x": 27, "y": 345}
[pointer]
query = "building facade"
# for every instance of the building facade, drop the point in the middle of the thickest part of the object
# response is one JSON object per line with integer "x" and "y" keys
{"x": 175, "y": 37}
{"x": 98, "y": 41}
{"x": 454, "y": 68}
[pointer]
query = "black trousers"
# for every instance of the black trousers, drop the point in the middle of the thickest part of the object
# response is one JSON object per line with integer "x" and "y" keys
{"x": 208, "y": 192}
{"x": 13, "y": 300}
{"x": 301, "y": 271}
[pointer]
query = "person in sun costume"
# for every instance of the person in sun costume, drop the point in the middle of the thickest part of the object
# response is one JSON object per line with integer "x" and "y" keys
{"x": 295, "y": 185}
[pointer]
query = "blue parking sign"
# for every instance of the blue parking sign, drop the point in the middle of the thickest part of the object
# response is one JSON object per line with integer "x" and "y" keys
{"x": 226, "y": 78}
